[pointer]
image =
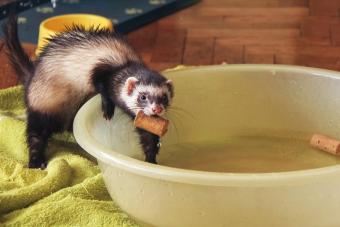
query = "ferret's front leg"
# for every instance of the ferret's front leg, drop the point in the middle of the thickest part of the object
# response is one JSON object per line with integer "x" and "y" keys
{"x": 101, "y": 81}
{"x": 149, "y": 144}
{"x": 108, "y": 107}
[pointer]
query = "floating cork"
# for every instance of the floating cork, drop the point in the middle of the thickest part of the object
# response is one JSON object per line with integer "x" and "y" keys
{"x": 153, "y": 124}
{"x": 325, "y": 143}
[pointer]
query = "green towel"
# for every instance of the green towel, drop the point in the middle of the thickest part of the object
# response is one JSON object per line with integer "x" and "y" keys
{"x": 70, "y": 192}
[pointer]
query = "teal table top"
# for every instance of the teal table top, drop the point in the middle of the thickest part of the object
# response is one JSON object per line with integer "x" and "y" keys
{"x": 127, "y": 15}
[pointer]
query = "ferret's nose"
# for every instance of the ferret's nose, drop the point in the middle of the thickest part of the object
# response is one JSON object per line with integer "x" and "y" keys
{"x": 157, "y": 109}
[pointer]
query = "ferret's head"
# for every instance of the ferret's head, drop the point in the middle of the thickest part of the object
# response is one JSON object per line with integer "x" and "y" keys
{"x": 148, "y": 91}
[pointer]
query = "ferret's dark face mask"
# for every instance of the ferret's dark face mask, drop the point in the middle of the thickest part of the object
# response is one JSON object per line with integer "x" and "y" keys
{"x": 151, "y": 99}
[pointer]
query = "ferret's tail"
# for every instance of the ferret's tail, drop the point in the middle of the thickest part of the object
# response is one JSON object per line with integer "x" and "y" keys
{"x": 19, "y": 60}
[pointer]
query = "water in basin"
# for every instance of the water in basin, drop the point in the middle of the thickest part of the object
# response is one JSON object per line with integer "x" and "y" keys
{"x": 247, "y": 154}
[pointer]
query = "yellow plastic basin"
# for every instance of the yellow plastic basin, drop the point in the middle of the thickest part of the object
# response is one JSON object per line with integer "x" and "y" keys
{"x": 53, "y": 25}
{"x": 262, "y": 171}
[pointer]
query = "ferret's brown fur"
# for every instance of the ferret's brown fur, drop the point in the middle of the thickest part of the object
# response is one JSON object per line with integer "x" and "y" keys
{"x": 62, "y": 80}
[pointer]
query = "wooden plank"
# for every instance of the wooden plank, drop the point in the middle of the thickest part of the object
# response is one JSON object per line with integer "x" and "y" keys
{"x": 321, "y": 19}
{"x": 252, "y": 58}
{"x": 161, "y": 66}
{"x": 144, "y": 38}
{"x": 289, "y": 3}
{"x": 287, "y": 59}
{"x": 219, "y": 33}
{"x": 169, "y": 46}
{"x": 258, "y": 12}
{"x": 324, "y": 8}
{"x": 302, "y": 59}
{"x": 262, "y": 22}
{"x": 335, "y": 35}
{"x": 315, "y": 28}
{"x": 228, "y": 53}
{"x": 192, "y": 21}
{"x": 255, "y": 3}
{"x": 146, "y": 56}
{"x": 245, "y": 40}
{"x": 198, "y": 51}
{"x": 317, "y": 51}
{"x": 7, "y": 74}
{"x": 306, "y": 60}
{"x": 237, "y": 22}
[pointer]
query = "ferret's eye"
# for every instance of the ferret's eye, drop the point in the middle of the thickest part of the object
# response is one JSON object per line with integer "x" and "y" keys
{"x": 165, "y": 98}
{"x": 142, "y": 97}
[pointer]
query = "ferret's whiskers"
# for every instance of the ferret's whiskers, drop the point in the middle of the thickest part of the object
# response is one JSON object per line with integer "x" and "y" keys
{"x": 180, "y": 115}
{"x": 180, "y": 110}
{"x": 175, "y": 118}
{"x": 175, "y": 127}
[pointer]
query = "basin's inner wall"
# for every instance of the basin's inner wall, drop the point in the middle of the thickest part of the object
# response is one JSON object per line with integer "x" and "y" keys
{"x": 212, "y": 105}
{"x": 250, "y": 120}
{"x": 223, "y": 103}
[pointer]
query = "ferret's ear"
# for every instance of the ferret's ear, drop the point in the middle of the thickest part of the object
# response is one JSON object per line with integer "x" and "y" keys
{"x": 130, "y": 84}
{"x": 170, "y": 85}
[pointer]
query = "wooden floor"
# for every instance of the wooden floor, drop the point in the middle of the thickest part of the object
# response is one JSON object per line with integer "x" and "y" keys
{"x": 298, "y": 32}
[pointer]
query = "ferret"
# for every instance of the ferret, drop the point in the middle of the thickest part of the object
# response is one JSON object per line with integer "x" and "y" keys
{"x": 74, "y": 66}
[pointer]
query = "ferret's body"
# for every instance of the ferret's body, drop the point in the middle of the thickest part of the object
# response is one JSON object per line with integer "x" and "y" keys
{"x": 62, "y": 80}
{"x": 74, "y": 66}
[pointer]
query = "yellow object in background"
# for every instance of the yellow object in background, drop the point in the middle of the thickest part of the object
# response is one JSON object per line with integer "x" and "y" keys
{"x": 53, "y": 25}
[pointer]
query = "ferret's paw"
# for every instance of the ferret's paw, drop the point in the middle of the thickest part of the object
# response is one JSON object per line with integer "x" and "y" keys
{"x": 151, "y": 159}
{"x": 108, "y": 115}
{"x": 108, "y": 110}
{"x": 37, "y": 162}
